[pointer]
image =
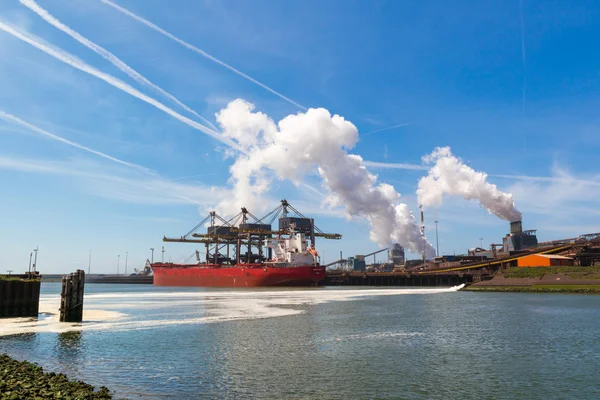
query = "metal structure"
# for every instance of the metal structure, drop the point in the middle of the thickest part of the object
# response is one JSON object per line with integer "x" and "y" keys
{"x": 240, "y": 239}
{"x": 437, "y": 242}
{"x": 518, "y": 239}
{"x": 423, "y": 233}
{"x": 352, "y": 261}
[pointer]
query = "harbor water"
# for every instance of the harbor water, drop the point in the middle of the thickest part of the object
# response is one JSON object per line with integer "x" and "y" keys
{"x": 321, "y": 343}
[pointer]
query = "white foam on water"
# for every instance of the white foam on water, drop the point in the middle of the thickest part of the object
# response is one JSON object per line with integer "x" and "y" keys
{"x": 193, "y": 308}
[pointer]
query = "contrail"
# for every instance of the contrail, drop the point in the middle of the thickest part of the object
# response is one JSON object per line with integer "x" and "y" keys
{"x": 71, "y": 60}
{"x": 16, "y": 120}
{"x": 19, "y": 121}
{"x": 44, "y": 14}
{"x": 199, "y": 51}
{"x": 383, "y": 165}
{"x": 523, "y": 54}
{"x": 385, "y": 129}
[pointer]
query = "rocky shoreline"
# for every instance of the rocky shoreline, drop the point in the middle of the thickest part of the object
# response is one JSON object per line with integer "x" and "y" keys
{"x": 24, "y": 380}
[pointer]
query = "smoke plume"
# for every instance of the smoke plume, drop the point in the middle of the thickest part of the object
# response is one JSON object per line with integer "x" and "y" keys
{"x": 296, "y": 145}
{"x": 450, "y": 176}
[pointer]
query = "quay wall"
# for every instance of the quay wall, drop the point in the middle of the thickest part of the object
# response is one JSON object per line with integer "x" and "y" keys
{"x": 19, "y": 296}
{"x": 395, "y": 279}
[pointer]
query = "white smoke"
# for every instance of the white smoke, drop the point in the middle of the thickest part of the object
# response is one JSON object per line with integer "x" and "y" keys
{"x": 450, "y": 176}
{"x": 296, "y": 145}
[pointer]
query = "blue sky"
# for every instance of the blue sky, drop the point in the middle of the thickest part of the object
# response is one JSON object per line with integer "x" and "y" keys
{"x": 512, "y": 87}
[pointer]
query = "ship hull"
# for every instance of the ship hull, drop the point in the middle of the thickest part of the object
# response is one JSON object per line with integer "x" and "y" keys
{"x": 251, "y": 275}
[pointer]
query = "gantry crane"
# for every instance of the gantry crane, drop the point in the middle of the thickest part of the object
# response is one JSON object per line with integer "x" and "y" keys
{"x": 241, "y": 238}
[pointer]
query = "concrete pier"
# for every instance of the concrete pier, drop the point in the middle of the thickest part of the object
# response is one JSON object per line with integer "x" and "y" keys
{"x": 19, "y": 295}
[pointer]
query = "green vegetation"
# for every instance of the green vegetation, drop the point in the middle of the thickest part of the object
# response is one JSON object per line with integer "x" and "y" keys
{"x": 24, "y": 380}
{"x": 16, "y": 278}
{"x": 538, "y": 272}
{"x": 537, "y": 289}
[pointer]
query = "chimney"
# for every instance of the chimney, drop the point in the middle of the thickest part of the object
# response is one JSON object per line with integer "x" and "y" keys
{"x": 516, "y": 227}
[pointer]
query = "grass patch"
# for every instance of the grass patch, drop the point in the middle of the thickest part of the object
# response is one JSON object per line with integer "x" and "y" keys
{"x": 538, "y": 272}
{"x": 592, "y": 289}
{"x": 17, "y": 278}
{"x": 24, "y": 380}
{"x": 596, "y": 287}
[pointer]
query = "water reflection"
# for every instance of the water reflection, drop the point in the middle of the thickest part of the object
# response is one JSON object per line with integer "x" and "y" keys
{"x": 69, "y": 340}
{"x": 21, "y": 337}
{"x": 68, "y": 350}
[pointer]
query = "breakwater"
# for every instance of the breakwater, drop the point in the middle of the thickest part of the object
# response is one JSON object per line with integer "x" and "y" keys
{"x": 24, "y": 380}
{"x": 122, "y": 279}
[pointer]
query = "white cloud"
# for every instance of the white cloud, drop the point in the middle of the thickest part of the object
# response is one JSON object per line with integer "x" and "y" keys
{"x": 294, "y": 147}
{"x": 119, "y": 183}
{"x": 562, "y": 202}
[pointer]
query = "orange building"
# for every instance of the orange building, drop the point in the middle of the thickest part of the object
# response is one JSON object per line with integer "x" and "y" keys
{"x": 544, "y": 260}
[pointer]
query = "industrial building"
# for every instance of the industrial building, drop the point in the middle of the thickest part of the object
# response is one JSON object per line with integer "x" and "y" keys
{"x": 544, "y": 260}
{"x": 518, "y": 239}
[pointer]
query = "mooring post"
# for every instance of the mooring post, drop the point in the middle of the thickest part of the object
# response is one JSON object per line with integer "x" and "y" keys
{"x": 71, "y": 297}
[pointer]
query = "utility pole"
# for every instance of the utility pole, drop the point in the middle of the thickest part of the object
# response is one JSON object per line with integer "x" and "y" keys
{"x": 126, "y": 256}
{"x": 35, "y": 259}
{"x": 90, "y": 263}
{"x": 162, "y": 259}
{"x": 152, "y": 259}
{"x": 30, "y": 255}
{"x": 437, "y": 244}
{"x": 118, "y": 263}
{"x": 423, "y": 233}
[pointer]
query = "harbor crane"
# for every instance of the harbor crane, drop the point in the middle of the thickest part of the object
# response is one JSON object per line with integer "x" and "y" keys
{"x": 241, "y": 238}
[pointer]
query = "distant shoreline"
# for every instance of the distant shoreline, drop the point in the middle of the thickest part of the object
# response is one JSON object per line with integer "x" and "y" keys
{"x": 542, "y": 280}
{"x": 583, "y": 289}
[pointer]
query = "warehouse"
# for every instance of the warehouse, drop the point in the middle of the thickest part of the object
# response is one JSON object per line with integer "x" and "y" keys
{"x": 544, "y": 260}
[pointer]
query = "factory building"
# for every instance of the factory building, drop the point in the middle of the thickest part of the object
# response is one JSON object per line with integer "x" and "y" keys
{"x": 544, "y": 260}
{"x": 396, "y": 254}
{"x": 518, "y": 239}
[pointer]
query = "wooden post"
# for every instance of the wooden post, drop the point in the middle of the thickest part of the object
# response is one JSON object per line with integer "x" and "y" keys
{"x": 71, "y": 297}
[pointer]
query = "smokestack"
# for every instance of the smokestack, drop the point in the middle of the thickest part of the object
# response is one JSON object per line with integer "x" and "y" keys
{"x": 516, "y": 227}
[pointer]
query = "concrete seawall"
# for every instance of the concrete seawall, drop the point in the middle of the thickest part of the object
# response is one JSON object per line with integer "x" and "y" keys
{"x": 19, "y": 296}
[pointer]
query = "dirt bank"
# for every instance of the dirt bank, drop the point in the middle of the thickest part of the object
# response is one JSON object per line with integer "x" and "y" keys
{"x": 551, "y": 279}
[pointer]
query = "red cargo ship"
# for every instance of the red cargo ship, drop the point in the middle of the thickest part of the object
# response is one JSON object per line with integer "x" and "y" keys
{"x": 243, "y": 275}
{"x": 293, "y": 263}
{"x": 243, "y": 254}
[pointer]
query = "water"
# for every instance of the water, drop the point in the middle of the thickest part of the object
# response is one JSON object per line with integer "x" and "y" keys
{"x": 320, "y": 343}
